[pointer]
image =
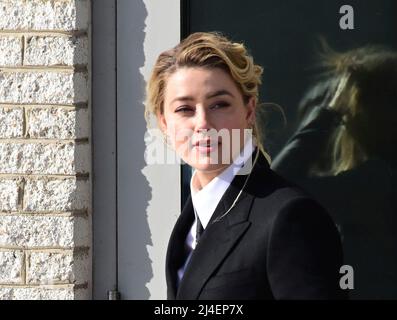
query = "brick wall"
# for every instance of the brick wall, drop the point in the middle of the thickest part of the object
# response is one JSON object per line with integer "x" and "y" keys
{"x": 45, "y": 149}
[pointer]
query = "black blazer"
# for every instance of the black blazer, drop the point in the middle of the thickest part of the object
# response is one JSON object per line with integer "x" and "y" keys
{"x": 276, "y": 243}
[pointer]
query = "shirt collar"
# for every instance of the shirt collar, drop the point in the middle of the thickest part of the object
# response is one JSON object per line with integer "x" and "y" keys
{"x": 206, "y": 200}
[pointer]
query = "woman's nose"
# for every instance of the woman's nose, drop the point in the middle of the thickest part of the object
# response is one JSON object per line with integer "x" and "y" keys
{"x": 202, "y": 121}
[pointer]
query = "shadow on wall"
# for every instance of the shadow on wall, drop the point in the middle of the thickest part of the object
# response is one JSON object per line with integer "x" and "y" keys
{"x": 134, "y": 264}
{"x": 81, "y": 39}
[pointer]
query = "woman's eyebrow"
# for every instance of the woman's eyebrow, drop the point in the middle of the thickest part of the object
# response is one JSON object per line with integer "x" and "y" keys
{"x": 208, "y": 96}
{"x": 219, "y": 93}
{"x": 183, "y": 98}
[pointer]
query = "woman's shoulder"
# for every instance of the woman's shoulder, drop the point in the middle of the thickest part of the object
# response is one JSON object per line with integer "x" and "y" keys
{"x": 274, "y": 194}
{"x": 268, "y": 185}
{"x": 282, "y": 199}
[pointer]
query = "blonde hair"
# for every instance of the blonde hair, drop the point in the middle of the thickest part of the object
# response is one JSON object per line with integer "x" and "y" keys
{"x": 206, "y": 50}
{"x": 367, "y": 81}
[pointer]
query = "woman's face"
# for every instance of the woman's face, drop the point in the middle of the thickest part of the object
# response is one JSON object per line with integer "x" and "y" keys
{"x": 202, "y": 106}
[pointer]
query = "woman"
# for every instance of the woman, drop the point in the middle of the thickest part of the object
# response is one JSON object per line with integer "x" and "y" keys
{"x": 261, "y": 238}
{"x": 344, "y": 154}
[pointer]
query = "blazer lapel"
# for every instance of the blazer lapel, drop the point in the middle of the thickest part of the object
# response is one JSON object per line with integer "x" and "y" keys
{"x": 217, "y": 240}
{"x": 176, "y": 253}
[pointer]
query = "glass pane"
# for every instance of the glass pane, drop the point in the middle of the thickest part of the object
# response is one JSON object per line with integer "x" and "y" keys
{"x": 283, "y": 36}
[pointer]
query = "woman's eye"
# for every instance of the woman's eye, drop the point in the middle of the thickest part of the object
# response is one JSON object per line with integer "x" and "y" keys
{"x": 220, "y": 105}
{"x": 184, "y": 109}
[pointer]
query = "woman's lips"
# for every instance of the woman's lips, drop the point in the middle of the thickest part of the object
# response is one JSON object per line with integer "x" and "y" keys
{"x": 206, "y": 146}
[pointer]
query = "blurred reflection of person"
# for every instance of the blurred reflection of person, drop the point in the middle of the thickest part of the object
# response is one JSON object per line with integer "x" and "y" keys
{"x": 344, "y": 153}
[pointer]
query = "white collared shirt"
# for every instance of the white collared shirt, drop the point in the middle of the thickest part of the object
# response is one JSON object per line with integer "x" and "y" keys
{"x": 207, "y": 199}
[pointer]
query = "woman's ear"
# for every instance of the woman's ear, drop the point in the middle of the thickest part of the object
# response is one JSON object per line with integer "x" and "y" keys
{"x": 162, "y": 122}
{"x": 251, "y": 108}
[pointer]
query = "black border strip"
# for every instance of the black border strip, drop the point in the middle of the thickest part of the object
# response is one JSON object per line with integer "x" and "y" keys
{"x": 185, "y": 18}
{"x": 185, "y": 169}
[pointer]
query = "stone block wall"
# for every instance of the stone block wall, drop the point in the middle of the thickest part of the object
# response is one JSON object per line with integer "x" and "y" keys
{"x": 45, "y": 149}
